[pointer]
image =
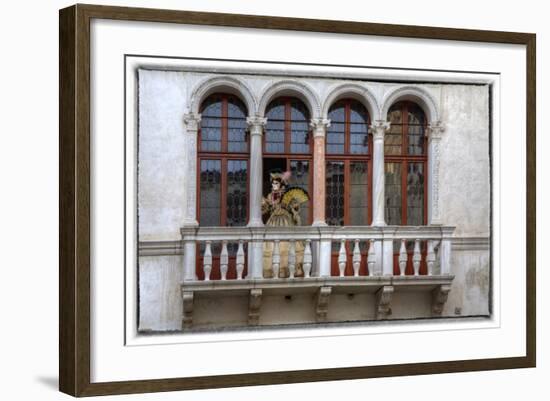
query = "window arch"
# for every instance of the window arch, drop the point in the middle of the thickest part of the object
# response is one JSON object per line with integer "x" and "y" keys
{"x": 348, "y": 165}
{"x": 223, "y": 162}
{"x": 405, "y": 156}
{"x": 288, "y": 146}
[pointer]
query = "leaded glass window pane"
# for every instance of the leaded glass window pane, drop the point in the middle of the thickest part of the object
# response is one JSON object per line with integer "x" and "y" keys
{"x": 300, "y": 178}
{"x": 236, "y": 200}
{"x": 359, "y": 199}
{"x": 236, "y": 126}
{"x": 334, "y": 203}
{"x": 210, "y": 192}
{"x": 275, "y": 128}
{"x": 415, "y": 194}
{"x": 393, "y": 193}
{"x": 358, "y": 129}
{"x": 336, "y": 132}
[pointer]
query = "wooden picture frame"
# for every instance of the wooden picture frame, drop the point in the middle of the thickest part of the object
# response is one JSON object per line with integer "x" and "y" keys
{"x": 75, "y": 198}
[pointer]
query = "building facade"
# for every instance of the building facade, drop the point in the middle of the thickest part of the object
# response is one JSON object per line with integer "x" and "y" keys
{"x": 398, "y": 221}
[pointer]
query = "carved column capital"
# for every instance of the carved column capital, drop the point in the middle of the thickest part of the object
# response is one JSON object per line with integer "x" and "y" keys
{"x": 192, "y": 121}
{"x": 379, "y": 129}
{"x": 319, "y": 126}
{"x": 256, "y": 124}
{"x": 435, "y": 130}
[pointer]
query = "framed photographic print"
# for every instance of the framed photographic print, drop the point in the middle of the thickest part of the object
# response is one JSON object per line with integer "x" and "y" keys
{"x": 252, "y": 200}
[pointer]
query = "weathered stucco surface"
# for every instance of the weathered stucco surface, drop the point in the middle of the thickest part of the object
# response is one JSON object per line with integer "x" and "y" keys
{"x": 464, "y": 202}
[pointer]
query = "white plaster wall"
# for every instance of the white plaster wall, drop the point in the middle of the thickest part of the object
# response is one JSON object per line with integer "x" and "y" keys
{"x": 160, "y": 301}
{"x": 161, "y": 154}
{"x": 464, "y": 191}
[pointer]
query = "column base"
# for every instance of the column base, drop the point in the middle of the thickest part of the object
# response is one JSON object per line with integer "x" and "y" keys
{"x": 255, "y": 223}
{"x": 190, "y": 223}
{"x": 319, "y": 223}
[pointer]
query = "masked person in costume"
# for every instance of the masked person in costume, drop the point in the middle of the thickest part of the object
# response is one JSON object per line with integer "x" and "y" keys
{"x": 282, "y": 206}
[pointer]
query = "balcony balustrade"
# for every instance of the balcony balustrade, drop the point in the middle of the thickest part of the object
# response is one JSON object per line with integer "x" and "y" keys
{"x": 321, "y": 260}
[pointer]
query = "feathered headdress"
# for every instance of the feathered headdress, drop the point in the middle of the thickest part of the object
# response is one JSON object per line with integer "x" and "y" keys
{"x": 282, "y": 177}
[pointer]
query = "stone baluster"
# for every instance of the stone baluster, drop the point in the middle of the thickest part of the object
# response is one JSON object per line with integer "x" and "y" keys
{"x": 342, "y": 258}
{"x": 207, "y": 261}
{"x": 403, "y": 257}
{"x": 240, "y": 260}
{"x": 356, "y": 258}
{"x": 417, "y": 257}
{"x": 292, "y": 259}
{"x": 224, "y": 260}
{"x": 276, "y": 259}
{"x": 379, "y": 128}
{"x": 430, "y": 258}
{"x": 255, "y": 126}
{"x": 371, "y": 257}
{"x": 307, "y": 258}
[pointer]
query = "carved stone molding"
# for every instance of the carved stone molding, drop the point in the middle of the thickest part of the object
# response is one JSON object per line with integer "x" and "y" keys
{"x": 192, "y": 122}
{"x": 188, "y": 299}
{"x": 256, "y": 124}
{"x": 254, "y": 305}
{"x": 415, "y": 93}
{"x": 383, "y": 302}
{"x": 323, "y": 297}
{"x": 295, "y": 87}
{"x": 439, "y": 296}
{"x": 319, "y": 126}
{"x": 224, "y": 84}
{"x": 379, "y": 129}
{"x": 353, "y": 90}
{"x": 434, "y": 132}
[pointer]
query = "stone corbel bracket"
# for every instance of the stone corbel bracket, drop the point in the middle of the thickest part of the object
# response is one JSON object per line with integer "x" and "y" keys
{"x": 254, "y": 305}
{"x": 383, "y": 302}
{"x": 440, "y": 294}
{"x": 188, "y": 298}
{"x": 323, "y": 297}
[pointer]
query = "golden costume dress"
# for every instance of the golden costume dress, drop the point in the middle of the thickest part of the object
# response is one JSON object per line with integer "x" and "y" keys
{"x": 282, "y": 213}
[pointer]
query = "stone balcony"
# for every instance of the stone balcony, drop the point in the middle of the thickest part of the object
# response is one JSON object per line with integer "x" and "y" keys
{"x": 349, "y": 273}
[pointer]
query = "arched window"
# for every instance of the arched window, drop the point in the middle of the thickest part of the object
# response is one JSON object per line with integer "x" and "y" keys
{"x": 288, "y": 146}
{"x": 348, "y": 163}
{"x": 405, "y": 156}
{"x": 405, "y": 159}
{"x": 348, "y": 177}
{"x": 223, "y": 161}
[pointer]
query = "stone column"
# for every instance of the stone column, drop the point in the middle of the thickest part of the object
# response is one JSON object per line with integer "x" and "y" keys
{"x": 192, "y": 124}
{"x": 435, "y": 130}
{"x": 256, "y": 125}
{"x": 319, "y": 126}
{"x": 379, "y": 128}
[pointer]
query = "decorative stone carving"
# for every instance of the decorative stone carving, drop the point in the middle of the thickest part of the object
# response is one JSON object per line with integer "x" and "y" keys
{"x": 439, "y": 296}
{"x": 379, "y": 129}
{"x": 434, "y": 133}
{"x": 256, "y": 124}
{"x": 254, "y": 305}
{"x": 383, "y": 302}
{"x": 319, "y": 126}
{"x": 187, "y": 320}
{"x": 323, "y": 297}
